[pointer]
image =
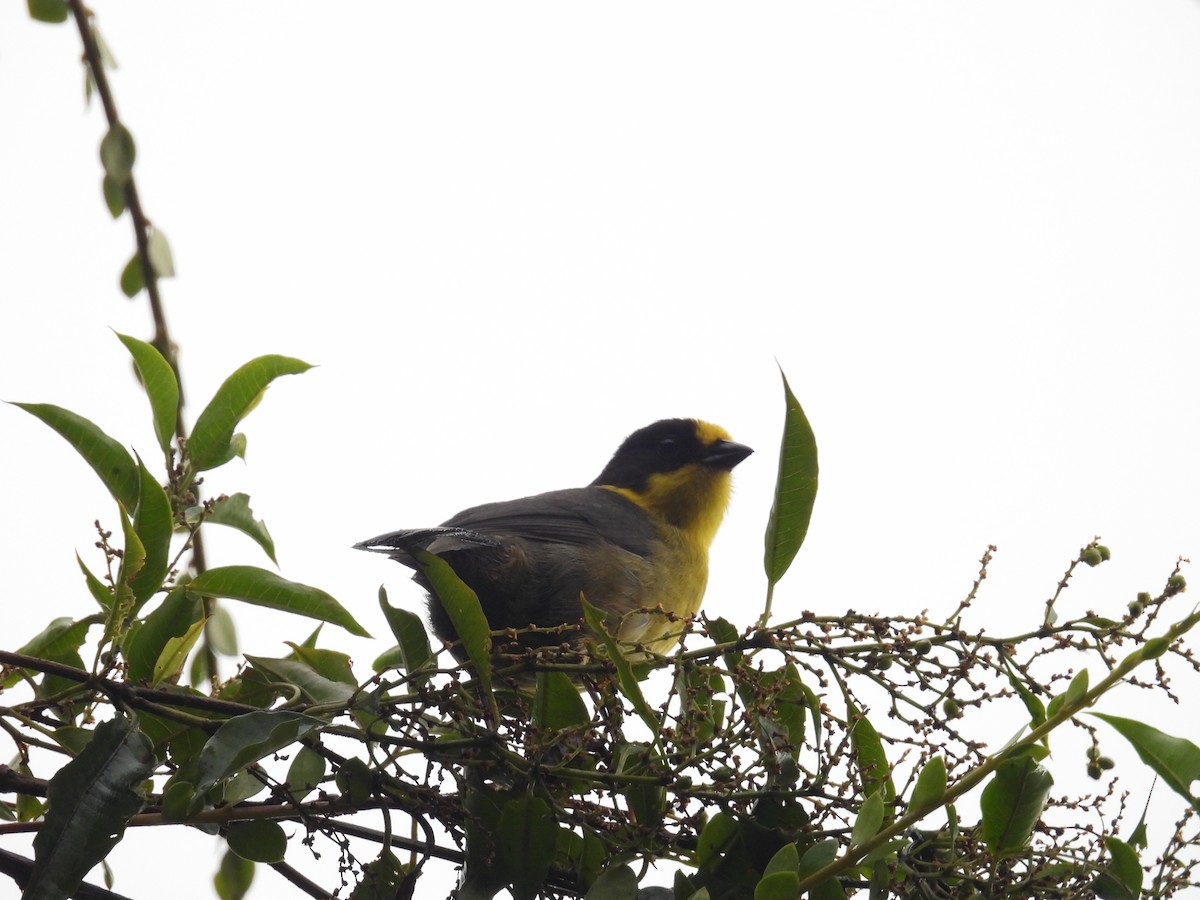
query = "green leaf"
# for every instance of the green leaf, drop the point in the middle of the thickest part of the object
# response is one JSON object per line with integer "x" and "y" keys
{"x": 91, "y": 799}
{"x": 101, "y": 592}
{"x": 795, "y": 490}
{"x": 869, "y": 819}
{"x": 234, "y": 877}
{"x": 355, "y": 780}
{"x": 52, "y": 11}
{"x": 716, "y": 838}
{"x": 234, "y": 512}
{"x": 792, "y": 705}
{"x": 59, "y": 641}
{"x": 133, "y": 277}
{"x": 786, "y": 859}
{"x": 1176, "y": 760}
{"x": 1012, "y": 802}
{"x": 1071, "y": 696}
{"x": 1122, "y": 877}
{"x": 931, "y": 785}
{"x": 262, "y": 588}
{"x": 818, "y": 856}
{"x": 557, "y": 704}
{"x": 179, "y": 612}
{"x": 114, "y": 196}
{"x": 316, "y": 687}
{"x": 247, "y": 738}
{"x": 462, "y": 606}
{"x": 778, "y": 886}
{"x": 133, "y": 557}
{"x": 869, "y": 755}
{"x": 617, "y": 883}
{"x": 647, "y": 801}
{"x": 1034, "y": 706}
{"x": 625, "y": 677}
{"x": 159, "y": 252}
{"x": 221, "y": 632}
{"x": 117, "y": 153}
{"x": 386, "y": 878}
{"x": 175, "y": 653}
{"x": 258, "y": 841}
{"x": 410, "y": 634}
{"x": 211, "y": 440}
{"x": 154, "y": 524}
{"x": 161, "y": 386}
{"x": 305, "y": 773}
{"x": 526, "y": 841}
{"x": 108, "y": 458}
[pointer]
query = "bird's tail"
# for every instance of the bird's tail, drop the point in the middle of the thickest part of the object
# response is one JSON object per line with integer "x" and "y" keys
{"x": 400, "y": 544}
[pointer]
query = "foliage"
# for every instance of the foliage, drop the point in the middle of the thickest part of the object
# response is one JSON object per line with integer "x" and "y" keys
{"x": 825, "y": 756}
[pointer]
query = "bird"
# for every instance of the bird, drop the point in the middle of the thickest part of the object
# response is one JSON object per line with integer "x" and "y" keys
{"x": 634, "y": 543}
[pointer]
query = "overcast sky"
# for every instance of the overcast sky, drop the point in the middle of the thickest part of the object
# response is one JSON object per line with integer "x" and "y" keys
{"x": 510, "y": 234}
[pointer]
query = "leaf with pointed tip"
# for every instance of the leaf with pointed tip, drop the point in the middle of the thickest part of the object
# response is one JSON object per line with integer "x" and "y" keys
{"x": 180, "y": 611}
{"x": 525, "y": 840}
{"x": 1122, "y": 877}
{"x": 795, "y": 489}
{"x": 108, "y": 458}
{"x": 305, "y": 773}
{"x": 462, "y": 606}
{"x": 869, "y": 819}
{"x": 154, "y": 524}
{"x": 161, "y": 386}
{"x": 91, "y": 799}
{"x": 870, "y": 756}
{"x": 409, "y": 631}
{"x": 316, "y": 687}
{"x": 101, "y": 592}
{"x": 258, "y": 841}
{"x": 1012, "y": 802}
{"x": 59, "y": 641}
{"x": 1176, "y": 760}
{"x": 170, "y": 662}
{"x": 210, "y": 442}
{"x": 931, "y": 785}
{"x": 247, "y": 738}
{"x": 557, "y": 704}
{"x": 262, "y": 588}
{"x": 114, "y": 195}
{"x": 626, "y": 678}
{"x": 234, "y": 512}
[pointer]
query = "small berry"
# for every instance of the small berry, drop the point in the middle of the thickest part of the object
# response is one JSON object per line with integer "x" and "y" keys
{"x": 1135, "y": 608}
{"x": 951, "y": 708}
{"x": 1094, "y": 770}
{"x": 1176, "y": 583}
{"x": 1093, "y": 752}
{"x": 1105, "y": 553}
{"x": 921, "y": 648}
{"x": 1105, "y": 762}
{"x": 1092, "y": 556}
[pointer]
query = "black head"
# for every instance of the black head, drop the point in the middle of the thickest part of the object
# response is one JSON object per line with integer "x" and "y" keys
{"x": 667, "y": 446}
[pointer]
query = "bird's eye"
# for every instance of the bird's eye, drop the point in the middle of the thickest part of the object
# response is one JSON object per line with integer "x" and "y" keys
{"x": 668, "y": 448}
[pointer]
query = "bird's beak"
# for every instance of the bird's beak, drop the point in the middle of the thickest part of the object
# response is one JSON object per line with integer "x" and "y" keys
{"x": 725, "y": 454}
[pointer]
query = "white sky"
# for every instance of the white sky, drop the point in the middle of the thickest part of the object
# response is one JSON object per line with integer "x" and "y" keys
{"x": 510, "y": 234}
